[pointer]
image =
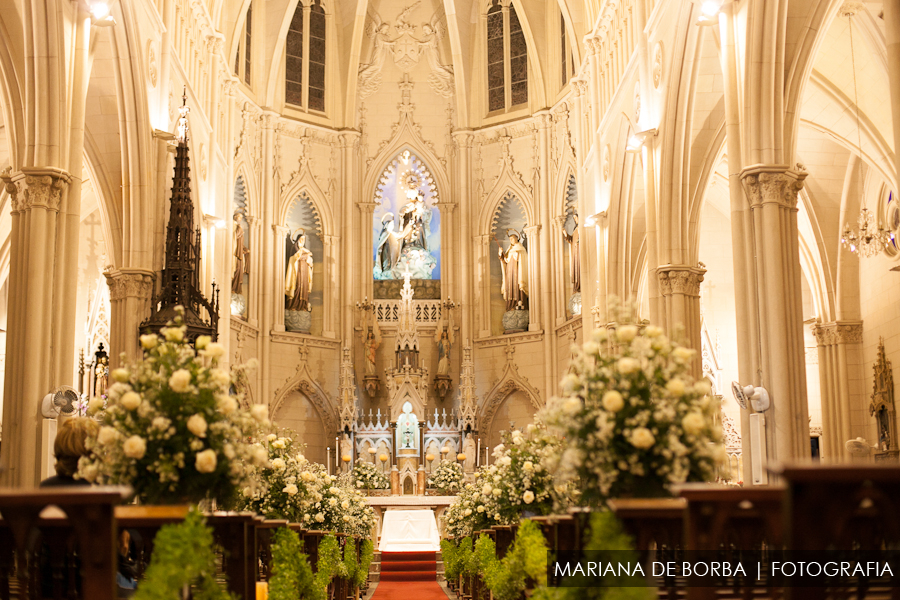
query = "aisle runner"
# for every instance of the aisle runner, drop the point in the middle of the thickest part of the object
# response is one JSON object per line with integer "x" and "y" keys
{"x": 405, "y": 573}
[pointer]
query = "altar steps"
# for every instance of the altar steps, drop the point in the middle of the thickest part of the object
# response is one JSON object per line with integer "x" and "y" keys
{"x": 408, "y": 566}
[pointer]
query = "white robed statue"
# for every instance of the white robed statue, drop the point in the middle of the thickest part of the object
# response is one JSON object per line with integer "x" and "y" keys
{"x": 514, "y": 265}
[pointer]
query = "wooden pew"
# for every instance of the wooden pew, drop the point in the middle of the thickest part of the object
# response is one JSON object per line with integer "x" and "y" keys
{"x": 265, "y": 532}
{"x": 86, "y": 516}
{"x": 725, "y": 523}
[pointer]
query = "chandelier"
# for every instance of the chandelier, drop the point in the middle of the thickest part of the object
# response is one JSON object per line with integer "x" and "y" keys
{"x": 870, "y": 238}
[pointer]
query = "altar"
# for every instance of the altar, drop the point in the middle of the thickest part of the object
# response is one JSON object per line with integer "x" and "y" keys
{"x": 395, "y": 522}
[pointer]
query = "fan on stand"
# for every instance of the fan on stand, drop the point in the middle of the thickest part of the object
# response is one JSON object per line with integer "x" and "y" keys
{"x": 758, "y": 398}
{"x": 56, "y": 407}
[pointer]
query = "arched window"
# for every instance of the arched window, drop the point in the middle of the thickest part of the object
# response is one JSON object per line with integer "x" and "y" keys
{"x": 507, "y": 58}
{"x": 565, "y": 50}
{"x": 304, "y": 72}
{"x": 242, "y": 62}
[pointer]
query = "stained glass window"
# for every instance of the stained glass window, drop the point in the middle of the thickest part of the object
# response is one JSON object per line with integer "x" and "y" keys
{"x": 495, "y": 53}
{"x": 248, "y": 29}
{"x": 306, "y": 51}
{"x": 507, "y": 59}
{"x": 293, "y": 68}
{"x": 564, "y": 53}
{"x": 518, "y": 60}
{"x": 317, "y": 58}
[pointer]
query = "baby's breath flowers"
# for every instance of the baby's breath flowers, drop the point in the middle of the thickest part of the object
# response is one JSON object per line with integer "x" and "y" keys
{"x": 170, "y": 428}
{"x": 634, "y": 421}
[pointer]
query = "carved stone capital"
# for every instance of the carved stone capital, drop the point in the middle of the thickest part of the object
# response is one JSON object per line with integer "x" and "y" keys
{"x": 772, "y": 185}
{"x": 129, "y": 283}
{"x": 680, "y": 279}
{"x": 838, "y": 332}
{"x": 463, "y": 138}
{"x": 35, "y": 188}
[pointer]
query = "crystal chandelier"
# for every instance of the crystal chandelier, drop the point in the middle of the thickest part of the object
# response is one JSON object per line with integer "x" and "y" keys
{"x": 870, "y": 238}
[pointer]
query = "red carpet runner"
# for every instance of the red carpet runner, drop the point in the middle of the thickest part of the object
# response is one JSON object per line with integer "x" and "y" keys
{"x": 405, "y": 573}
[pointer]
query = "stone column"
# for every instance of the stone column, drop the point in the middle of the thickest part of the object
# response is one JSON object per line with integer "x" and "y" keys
{"x": 840, "y": 367}
{"x": 560, "y": 276}
{"x": 484, "y": 259}
{"x": 280, "y": 233}
{"x": 772, "y": 194}
{"x": 466, "y": 268}
{"x": 892, "y": 40}
{"x": 535, "y": 283}
{"x": 130, "y": 291}
{"x": 256, "y": 264}
{"x": 329, "y": 268}
{"x": 679, "y": 287}
{"x": 271, "y": 302}
{"x": 349, "y": 140}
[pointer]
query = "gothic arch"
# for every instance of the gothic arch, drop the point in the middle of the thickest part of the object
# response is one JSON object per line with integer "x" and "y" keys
{"x": 406, "y": 137}
{"x": 303, "y": 382}
{"x": 509, "y": 382}
{"x": 305, "y": 185}
{"x": 507, "y": 183}
{"x": 251, "y": 191}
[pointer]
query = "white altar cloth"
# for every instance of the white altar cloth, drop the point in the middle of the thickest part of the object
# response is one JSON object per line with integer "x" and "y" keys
{"x": 409, "y": 531}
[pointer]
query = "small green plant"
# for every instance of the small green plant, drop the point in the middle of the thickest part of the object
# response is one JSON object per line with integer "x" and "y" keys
{"x": 367, "y": 553}
{"x": 450, "y": 556}
{"x": 183, "y": 558}
{"x": 292, "y": 576}
{"x": 524, "y": 563}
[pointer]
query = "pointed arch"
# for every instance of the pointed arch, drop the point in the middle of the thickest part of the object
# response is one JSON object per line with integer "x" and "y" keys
{"x": 510, "y": 381}
{"x": 407, "y": 138}
{"x": 252, "y": 194}
{"x": 508, "y": 182}
{"x": 305, "y": 185}
{"x": 302, "y": 381}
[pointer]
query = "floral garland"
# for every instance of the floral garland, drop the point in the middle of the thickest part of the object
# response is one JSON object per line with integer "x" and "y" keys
{"x": 519, "y": 483}
{"x": 634, "y": 421}
{"x": 292, "y": 576}
{"x": 170, "y": 429}
{"x": 447, "y": 477}
{"x": 366, "y": 475}
{"x": 182, "y": 556}
{"x": 366, "y": 555}
{"x": 524, "y": 563}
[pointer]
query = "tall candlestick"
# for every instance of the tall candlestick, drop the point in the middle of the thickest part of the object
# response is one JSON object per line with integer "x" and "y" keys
{"x": 478, "y": 454}
{"x": 328, "y": 459}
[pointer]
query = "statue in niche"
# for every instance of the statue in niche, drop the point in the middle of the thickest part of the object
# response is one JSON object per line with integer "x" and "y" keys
{"x": 469, "y": 451}
{"x": 415, "y": 219}
{"x": 102, "y": 373}
{"x": 574, "y": 255}
{"x": 407, "y": 428}
{"x": 388, "y": 249}
{"x": 371, "y": 344}
{"x": 443, "y": 337}
{"x": 514, "y": 266}
{"x": 298, "y": 279}
{"x": 241, "y": 256}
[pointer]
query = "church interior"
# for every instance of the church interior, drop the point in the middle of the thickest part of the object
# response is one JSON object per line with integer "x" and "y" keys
{"x": 409, "y": 218}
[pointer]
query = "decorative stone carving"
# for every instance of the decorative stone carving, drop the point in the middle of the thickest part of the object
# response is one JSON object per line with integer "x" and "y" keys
{"x": 152, "y": 67}
{"x": 637, "y": 101}
{"x": 515, "y": 320}
{"x": 129, "y": 284}
{"x": 766, "y": 186}
{"x": 40, "y": 188}
{"x": 238, "y": 305}
{"x": 297, "y": 320}
{"x": 606, "y": 163}
{"x": 347, "y": 392}
{"x": 841, "y": 332}
{"x": 882, "y": 407}
{"x": 657, "y": 64}
{"x": 680, "y": 279}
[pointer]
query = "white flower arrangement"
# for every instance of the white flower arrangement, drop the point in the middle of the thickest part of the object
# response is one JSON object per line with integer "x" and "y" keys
{"x": 161, "y": 431}
{"x": 634, "y": 421}
{"x": 447, "y": 477}
{"x": 367, "y": 476}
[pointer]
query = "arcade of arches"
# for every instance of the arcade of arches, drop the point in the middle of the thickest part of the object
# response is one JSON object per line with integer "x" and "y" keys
{"x": 414, "y": 208}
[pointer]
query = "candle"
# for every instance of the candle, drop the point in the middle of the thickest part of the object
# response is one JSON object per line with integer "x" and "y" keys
{"x": 262, "y": 590}
{"x": 478, "y": 454}
{"x": 328, "y": 459}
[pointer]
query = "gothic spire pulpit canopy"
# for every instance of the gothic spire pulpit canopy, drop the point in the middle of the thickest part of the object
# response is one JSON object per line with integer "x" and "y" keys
{"x": 179, "y": 280}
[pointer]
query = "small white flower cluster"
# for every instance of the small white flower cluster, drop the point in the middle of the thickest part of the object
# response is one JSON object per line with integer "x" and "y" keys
{"x": 519, "y": 482}
{"x": 634, "y": 421}
{"x": 367, "y": 476}
{"x": 170, "y": 428}
{"x": 285, "y": 485}
{"x": 447, "y": 477}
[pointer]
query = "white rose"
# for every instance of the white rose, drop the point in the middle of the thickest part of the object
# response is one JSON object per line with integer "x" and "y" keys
{"x": 675, "y": 387}
{"x": 572, "y": 405}
{"x": 642, "y": 438}
{"x": 345, "y": 504}
{"x": 173, "y": 334}
{"x": 226, "y": 404}
{"x": 160, "y": 423}
{"x": 627, "y": 365}
{"x": 505, "y": 461}
{"x": 497, "y": 492}
{"x": 202, "y": 342}
{"x": 626, "y": 333}
{"x": 260, "y": 455}
{"x": 135, "y": 447}
{"x": 682, "y": 353}
{"x": 345, "y": 518}
{"x": 197, "y": 425}
{"x": 130, "y": 400}
{"x": 149, "y": 341}
{"x": 528, "y": 466}
{"x": 290, "y": 489}
{"x": 215, "y": 351}
{"x": 528, "y": 497}
{"x": 570, "y": 383}
{"x": 259, "y": 412}
{"x": 278, "y": 464}
{"x": 95, "y": 405}
{"x": 180, "y": 381}
{"x": 652, "y": 331}
{"x": 228, "y": 451}
{"x": 600, "y": 336}
{"x": 120, "y": 375}
{"x": 480, "y": 508}
{"x": 332, "y": 501}
{"x": 693, "y": 423}
{"x": 271, "y": 437}
{"x": 659, "y": 343}
{"x": 107, "y": 435}
{"x": 612, "y": 401}
{"x": 592, "y": 348}
{"x": 279, "y": 443}
{"x": 206, "y": 461}
{"x": 89, "y": 473}
{"x": 703, "y": 387}
{"x": 517, "y": 437}
{"x": 220, "y": 377}
{"x": 319, "y": 517}
{"x": 468, "y": 512}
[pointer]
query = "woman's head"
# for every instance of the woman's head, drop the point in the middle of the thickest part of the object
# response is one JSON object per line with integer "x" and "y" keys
{"x": 70, "y": 444}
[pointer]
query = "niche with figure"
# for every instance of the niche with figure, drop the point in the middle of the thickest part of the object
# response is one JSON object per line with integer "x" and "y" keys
{"x": 304, "y": 268}
{"x": 406, "y": 229}
{"x": 240, "y": 255}
{"x": 509, "y": 268}
{"x": 571, "y": 252}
